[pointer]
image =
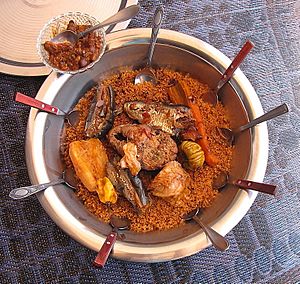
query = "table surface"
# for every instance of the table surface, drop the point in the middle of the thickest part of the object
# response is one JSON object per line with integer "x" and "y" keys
{"x": 265, "y": 245}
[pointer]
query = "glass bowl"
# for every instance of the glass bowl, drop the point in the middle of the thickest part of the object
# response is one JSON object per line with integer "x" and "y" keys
{"x": 59, "y": 24}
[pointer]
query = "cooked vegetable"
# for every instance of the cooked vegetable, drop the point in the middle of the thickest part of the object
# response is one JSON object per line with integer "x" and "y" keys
{"x": 180, "y": 94}
{"x": 106, "y": 191}
{"x": 170, "y": 181}
{"x": 101, "y": 114}
{"x": 139, "y": 187}
{"x": 194, "y": 154}
{"x": 121, "y": 180}
{"x": 89, "y": 159}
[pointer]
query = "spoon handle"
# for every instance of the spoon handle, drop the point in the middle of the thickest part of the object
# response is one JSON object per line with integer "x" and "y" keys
{"x": 218, "y": 241}
{"x": 23, "y": 192}
{"x": 267, "y": 116}
{"x": 157, "y": 19}
{"x": 261, "y": 187}
{"x": 235, "y": 64}
{"x": 29, "y": 101}
{"x": 105, "y": 250}
{"x": 123, "y": 15}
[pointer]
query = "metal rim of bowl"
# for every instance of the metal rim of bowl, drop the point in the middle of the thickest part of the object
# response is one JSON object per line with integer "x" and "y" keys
{"x": 39, "y": 44}
{"x": 157, "y": 252}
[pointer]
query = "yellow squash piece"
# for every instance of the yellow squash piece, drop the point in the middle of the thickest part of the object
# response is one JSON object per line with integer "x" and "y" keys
{"x": 194, "y": 154}
{"x": 106, "y": 191}
{"x": 89, "y": 159}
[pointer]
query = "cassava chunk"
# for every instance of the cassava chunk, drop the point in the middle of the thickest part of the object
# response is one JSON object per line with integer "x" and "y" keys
{"x": 89, "y": 159}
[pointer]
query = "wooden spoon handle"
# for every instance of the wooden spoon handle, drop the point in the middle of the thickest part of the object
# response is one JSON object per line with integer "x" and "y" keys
{"x": 105, "y": 250}
{"x": 235, "y": 64}
{"x": 261, "y": 187}
{"x": 29, "y": 101}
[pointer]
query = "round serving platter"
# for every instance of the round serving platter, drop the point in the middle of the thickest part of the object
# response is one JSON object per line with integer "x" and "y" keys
{"x": 177, "y": 51}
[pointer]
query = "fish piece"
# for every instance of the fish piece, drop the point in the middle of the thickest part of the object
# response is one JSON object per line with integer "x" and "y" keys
{"x": 194, "y": 154}
{"x": 171, "y": 181}
{"x": 129, "y": 159}
{"x": 121, "y": 181}
{"x": 169, "y": 118}
{"x": 155, "y": 148}
{"x": 101, "y": 115}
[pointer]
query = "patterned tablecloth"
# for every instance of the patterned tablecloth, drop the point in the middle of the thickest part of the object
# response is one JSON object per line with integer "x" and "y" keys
{"x": 265, "y": 246}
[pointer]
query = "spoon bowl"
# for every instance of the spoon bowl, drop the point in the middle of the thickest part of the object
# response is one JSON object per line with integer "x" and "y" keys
{"x": 223, "y": 179}
{"x": 218, "y": 241}
{"x": 146, "y": 74}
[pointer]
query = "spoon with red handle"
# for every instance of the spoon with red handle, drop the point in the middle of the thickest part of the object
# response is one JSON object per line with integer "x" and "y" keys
{"x": 213, "y": 97}
{"x": 72, "y": 117}
{"x": 118, "y": 224}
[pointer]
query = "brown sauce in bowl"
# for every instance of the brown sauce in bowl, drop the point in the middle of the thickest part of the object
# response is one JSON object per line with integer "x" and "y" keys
{"x": 67, "y": 57}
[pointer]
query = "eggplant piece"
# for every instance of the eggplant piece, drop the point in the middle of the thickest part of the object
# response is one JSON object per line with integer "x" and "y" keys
{"x": 120, "y": 179}
{"x": 138, "y": 184}
{"x": 101, "y": 115}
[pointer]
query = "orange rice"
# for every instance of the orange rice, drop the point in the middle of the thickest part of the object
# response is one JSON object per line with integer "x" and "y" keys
{"x": 161, "y": 214}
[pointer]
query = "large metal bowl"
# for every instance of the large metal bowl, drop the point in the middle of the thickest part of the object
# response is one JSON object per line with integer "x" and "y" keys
{"x": 177, "y": 51}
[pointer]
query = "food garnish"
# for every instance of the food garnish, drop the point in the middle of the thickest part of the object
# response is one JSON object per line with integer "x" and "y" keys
{"x": 106, "y": 191}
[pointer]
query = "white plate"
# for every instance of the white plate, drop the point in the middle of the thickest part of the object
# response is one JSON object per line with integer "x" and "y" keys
{"x": 22, "y": 20}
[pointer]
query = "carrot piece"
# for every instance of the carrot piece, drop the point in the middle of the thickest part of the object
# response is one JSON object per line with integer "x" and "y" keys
{"x": 180, "y": 94}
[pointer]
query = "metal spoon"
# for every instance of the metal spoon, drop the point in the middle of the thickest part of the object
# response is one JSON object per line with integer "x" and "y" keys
{"x": 23, "y": 192}
{"x": 71, "y": 117}
{"x": 213, "y": 97}
{"x": 121, "y": 16}
{"x": 146, "y": 74}
{"x": 218, "y": 241}
{"x": 223, "y": 179}
{"x": 230, "y": 134}
{"x": 118, "y": 224}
